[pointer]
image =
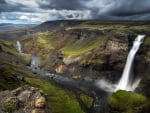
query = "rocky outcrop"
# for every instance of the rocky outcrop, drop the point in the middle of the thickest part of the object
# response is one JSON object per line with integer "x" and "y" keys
{"x": 60, "y": 69}
{"x": 116, "y": 45}
{"x": 23, "y": 100}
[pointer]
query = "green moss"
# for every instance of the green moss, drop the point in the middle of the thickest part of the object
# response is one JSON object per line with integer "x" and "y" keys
{"x": 74, "y": 48}
{"x": 8, "y": 79}
{"x": 9, "y": 104}
{"x": 60, "y": 101}
{"x": 147, "y": 41}
{"x": 25, "y": 57}
{"x": 11, "y": 75}
{"x": 87, "y": 100}
{"x": 44, "y": 43}
{"x": 5, "y": 42}
{"x": 98, "y": 26}
{"x": 127, "y": 102}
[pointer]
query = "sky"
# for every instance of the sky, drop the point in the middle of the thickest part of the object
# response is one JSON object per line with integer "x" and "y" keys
{"x": 38, "y": 11}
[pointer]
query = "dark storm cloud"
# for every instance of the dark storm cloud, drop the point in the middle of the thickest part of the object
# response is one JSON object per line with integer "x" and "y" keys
{"x": 5, "y": 7}
{"x": 63, "y": 4}
{"x": 129, "y": 8}
{"x": 2, "y": 1}
{"x": 119, "y": 9}
{"x": 102, "y": 9}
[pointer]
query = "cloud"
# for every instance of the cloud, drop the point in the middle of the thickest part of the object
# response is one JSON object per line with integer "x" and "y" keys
{"x": 130, "y": 8}
{"x": 62, "y": 4}
{"x": 32, "y": 11}
{"x": 38, "y": 17}
{"x": 28, "y": 3}
{"x": 119, "y": 8}
{"x": 2, "y": 1}
{"x": 43, "y": 10}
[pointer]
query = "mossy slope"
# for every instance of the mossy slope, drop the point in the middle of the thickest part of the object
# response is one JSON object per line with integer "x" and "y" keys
{"x": 127, "y": 102}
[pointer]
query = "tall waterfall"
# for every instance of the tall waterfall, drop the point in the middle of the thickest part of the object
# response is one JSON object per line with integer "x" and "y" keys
{"x": 18, "y": 46}
{"x": 124, "y": 83}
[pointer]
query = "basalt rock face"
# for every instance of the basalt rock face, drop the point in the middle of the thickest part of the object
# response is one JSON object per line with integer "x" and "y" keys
{"x": 23, "y": 100}
{"x": 106, "y": 61}
{"x": 142, "y": 68}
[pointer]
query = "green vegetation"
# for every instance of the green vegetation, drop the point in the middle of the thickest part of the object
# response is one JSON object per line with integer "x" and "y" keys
{"x": 50, "y": 43}
{"x": 9, "y": 104}
{"x": 59, "y": 100}
{"x": 8, "y": 79}
{"x": 127, "y": 102}
{"x": 11, "y": 75}
{"x": 87, "y": 100}
{"x": 5, "y": 42}
{"x": 78, "y": 47}
{"x": 25, "y": 57}
{"x": 147, "y": 41}
{"x": 44, "y": 43}
{"x": 97, "y": 26}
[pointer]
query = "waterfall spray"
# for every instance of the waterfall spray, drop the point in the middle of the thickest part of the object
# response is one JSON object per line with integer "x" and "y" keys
{"x": 124, "y": 83}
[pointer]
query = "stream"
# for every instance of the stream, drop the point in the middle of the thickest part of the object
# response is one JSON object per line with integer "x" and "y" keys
{"x": 88, "y": 87}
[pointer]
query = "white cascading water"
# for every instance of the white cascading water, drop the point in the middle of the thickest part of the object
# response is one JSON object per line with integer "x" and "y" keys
{"x": 34, "y": 61}
{"x": 124, "y": 83}
{"x": 18, "y": 46}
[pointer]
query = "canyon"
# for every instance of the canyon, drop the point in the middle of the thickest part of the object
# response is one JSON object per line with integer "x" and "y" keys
{"x": 88, "y": 57}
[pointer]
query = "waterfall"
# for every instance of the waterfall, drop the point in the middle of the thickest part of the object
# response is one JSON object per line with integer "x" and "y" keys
{"x": 124, "y": 83}
{"x": 34, "y": 62}
{"x": 18, "y": 46}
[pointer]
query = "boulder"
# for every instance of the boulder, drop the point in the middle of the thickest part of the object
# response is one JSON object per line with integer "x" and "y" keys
{"x": 40, "y": 102}
{"x": 23, "y": 100}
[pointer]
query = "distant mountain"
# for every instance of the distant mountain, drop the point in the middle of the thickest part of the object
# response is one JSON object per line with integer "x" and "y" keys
{"x": 5, "y": 24}
{"x": 61, "y": 24}
{"x": 56, "y": 25}
{"x": 12, "y": 27}
{"x": 10, "y": 31}
{"x": 11, "y": 24}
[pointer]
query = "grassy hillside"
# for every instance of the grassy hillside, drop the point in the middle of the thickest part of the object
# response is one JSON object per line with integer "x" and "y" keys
{"x": 13, "y": 74}
{"x": 79, "y": 47}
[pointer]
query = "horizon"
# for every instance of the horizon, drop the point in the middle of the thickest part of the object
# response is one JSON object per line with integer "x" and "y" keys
{"x": 39, "y": 11}
{"x": 105, "y": 21}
